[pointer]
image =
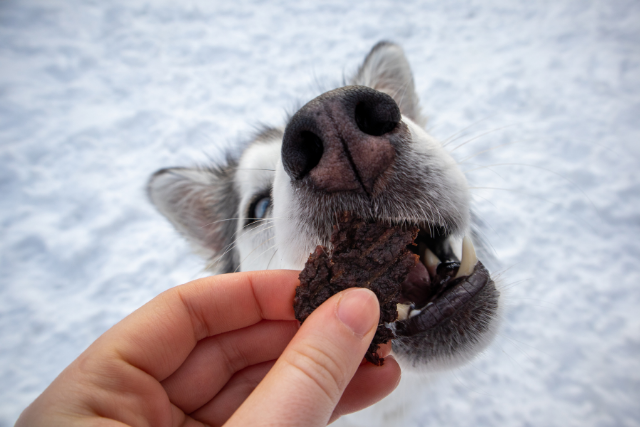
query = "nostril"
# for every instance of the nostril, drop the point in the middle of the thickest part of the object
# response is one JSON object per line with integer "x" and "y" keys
{"x": 375, "y": 118}
{"x": 338, "y": 126}
{"x": 301, "y": 153}
{"x": 311, "y": 146}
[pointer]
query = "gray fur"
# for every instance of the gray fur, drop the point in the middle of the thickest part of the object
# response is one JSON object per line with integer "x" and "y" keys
{"x": 387, "y": 70}
{"x": 267, "y": 134}
{"x": 202, "y": 203}
{"x": 210, "y": 206}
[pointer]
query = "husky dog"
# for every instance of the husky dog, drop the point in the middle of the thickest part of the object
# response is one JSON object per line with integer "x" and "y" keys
{"x": 359, "y": 148}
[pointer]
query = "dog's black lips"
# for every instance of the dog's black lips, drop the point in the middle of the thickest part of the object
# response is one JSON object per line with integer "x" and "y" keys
{"x": 437, "y": 295}
{"x": 450, "y": 297}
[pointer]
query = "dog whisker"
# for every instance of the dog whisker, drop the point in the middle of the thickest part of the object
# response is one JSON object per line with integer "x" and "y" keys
{"x": 254, "y": 249}
{"x": 483, "y": 167}
{"x": 480, "y": 136}
{"x": 459, "y": 134}
{"x": 550, "y": 202}
{"x": 486, "y": 151}
{"x": 271, "y": 259}
{"x": 233, "y": 244}
{"x": 573, "y": 184}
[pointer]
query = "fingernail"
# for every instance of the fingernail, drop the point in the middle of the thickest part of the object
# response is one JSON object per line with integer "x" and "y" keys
{"x": 357, "y": 309}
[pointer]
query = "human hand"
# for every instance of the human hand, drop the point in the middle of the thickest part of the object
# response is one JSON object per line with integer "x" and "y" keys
{"x": 204, "y": 353}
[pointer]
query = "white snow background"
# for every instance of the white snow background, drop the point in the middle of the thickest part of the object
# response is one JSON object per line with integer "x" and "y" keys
{"x": 540, "y": 102}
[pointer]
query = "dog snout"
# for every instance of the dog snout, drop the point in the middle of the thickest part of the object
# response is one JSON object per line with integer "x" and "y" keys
{"x": 343, "y": 140}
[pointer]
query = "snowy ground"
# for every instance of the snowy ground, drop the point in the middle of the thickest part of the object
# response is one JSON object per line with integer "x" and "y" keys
{"x": 95, "y": 96}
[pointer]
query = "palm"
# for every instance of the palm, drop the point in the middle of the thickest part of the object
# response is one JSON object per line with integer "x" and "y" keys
{"x": 198, "y": 352}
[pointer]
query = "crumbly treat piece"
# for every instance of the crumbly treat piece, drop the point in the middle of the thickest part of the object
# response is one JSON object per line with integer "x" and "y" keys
{"x": 365, "y": 254}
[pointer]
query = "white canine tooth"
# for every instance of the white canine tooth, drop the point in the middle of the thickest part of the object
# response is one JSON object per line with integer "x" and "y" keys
{"x": 455, "y": 243}
{"x": 403, "y": 311}
{"x": 430, "y": 261}
{"x": 414, "y": 313}
{"x": 469, "y": 258}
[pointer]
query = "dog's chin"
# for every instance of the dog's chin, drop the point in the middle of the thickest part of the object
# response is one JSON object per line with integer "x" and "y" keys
{"x": 448, "y": 307}
{"x": 453, "y": 341}
{"x": 448, "y": 304}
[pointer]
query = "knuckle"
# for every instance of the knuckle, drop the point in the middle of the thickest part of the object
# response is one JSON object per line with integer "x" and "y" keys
{"x": 319, "y": 367}
{"x": 233, "y": 357}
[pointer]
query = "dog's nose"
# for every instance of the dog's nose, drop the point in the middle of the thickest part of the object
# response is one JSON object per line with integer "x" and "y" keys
{"x": 342, "y": 140}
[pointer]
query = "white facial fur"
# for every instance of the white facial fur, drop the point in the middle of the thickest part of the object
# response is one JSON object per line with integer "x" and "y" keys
{"x": 254, "y": 176}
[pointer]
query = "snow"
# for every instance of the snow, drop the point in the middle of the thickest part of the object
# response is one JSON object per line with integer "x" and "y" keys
{"x": 543, "y": 100}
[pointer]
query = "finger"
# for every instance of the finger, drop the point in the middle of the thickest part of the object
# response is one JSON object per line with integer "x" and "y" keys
{"x": 159, "y": 336}
{"x": 369, "y": 385}
{"x": 306, "y": 383}
{"x": 217, "y": 411}
{"x": 216, "y": 359}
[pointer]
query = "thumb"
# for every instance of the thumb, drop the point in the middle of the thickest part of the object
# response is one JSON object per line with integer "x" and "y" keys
{"x": 307, "y": 381}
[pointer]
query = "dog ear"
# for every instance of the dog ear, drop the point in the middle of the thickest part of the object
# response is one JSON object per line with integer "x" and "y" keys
{"x": 202, "y": 204}
{"x": 386, "y": 69}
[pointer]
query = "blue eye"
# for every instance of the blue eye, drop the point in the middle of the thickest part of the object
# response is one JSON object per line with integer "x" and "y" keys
{"x": 260, "y": 208}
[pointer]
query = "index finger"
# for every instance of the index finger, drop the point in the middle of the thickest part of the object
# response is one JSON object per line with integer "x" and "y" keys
{"x": 159, "y": 336}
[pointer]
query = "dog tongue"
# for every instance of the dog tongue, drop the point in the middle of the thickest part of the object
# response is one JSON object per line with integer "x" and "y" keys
{"x": 417, "y": 286}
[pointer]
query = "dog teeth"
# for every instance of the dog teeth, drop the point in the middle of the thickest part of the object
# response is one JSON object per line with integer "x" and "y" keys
{"x": 455, "y": 246}
{"x": 403, "y": 311}
{"x": 414, "y": 313}
{"x": 469, "y": 258}
{"x": 431, "y": 261}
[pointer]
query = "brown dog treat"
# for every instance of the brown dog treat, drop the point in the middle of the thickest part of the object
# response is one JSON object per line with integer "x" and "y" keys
{"x": 365, "y": 254}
